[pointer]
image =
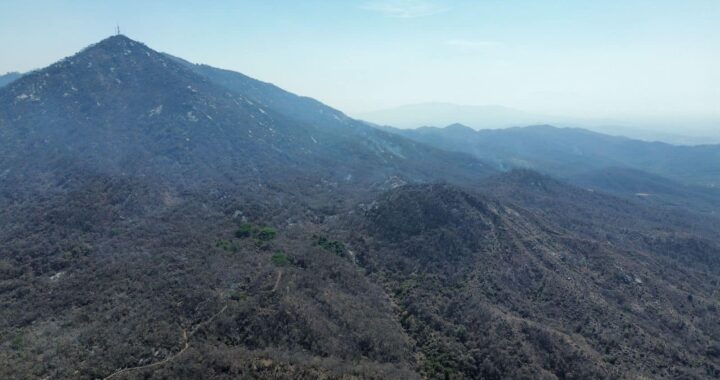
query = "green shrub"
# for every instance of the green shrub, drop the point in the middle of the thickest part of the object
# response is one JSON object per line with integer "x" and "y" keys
{"x": 226, "y": 245}
{"x": 238, "y": 296}
{"x": 280, "y": 259}
{"x": 266, "y": 234}
{"x": 333, "y": 246}
{"x": 17, "y": 342}
{"x": 245, "y": 231}
{"x": 77, "y": 250}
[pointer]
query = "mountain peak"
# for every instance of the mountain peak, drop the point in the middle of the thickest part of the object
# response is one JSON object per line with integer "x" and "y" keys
{"x": 117, "y": 46}
{"x": 412, "y": 210}
{"x": 459, "y": 127}
{"x": 118, "y": 40}
{"x": 114, "y": 70}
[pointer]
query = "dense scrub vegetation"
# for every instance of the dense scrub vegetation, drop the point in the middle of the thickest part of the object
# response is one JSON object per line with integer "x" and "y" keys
{"x": 425, "y": 281}
{"x": 121, "y": 293}
{"x": 489, "y": 290}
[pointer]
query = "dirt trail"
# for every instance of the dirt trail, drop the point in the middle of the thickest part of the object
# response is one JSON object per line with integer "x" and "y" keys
{"x": 277, "y": 281}
{"x": 186, "y": 339}
{"x": 156, "y": 364}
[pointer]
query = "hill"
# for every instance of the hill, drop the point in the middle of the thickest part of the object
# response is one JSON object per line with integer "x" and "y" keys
{"x": 490, "y": 289}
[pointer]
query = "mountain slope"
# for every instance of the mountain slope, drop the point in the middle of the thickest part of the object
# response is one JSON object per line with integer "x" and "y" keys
{"x": 569, "y": 151}
{"x": 301, "y": 108}
{"x": 687, "y": 237}
{"x": 325, "y": 119}
{"x": 92, "y": 282}
{"x": 650, "y": 189}
{"x": 119, "y": 107}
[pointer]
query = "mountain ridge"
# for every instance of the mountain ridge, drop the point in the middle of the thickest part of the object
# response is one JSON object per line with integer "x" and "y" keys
{"x": 565, "y": 152}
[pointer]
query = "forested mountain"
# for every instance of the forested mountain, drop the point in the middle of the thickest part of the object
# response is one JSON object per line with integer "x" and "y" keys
{"x": 169, "y": 220}
{"x": 120, "y": 108}
{"x": 571, "y": 151}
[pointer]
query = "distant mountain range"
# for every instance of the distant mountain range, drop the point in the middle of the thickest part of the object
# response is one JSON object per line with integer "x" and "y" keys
{"x": 437, "y": 114}
{"x": 688, "y": 131}
{"x": 6, "y": 79}
{"x": 567, "y": 152}
{"x": 162, "y": 219}
{"x": 682, "y": 177}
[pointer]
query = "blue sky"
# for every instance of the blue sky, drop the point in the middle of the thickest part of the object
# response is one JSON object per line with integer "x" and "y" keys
{"x": 628, "y": 59}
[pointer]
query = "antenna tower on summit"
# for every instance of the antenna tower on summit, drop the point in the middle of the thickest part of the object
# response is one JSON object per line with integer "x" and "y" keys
{"x": 117, "y": 30}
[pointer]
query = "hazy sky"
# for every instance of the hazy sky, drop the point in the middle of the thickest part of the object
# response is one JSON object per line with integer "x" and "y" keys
{"x": 611, "y": 58}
